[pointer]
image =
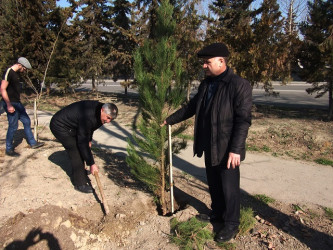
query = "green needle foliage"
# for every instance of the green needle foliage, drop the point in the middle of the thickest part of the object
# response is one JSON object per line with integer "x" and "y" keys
{"x": 264, "y": 198}
{"x": 329, "y": 213}
{"x": 247, "y": 220}
{"x": 191, "y": 234}
{"x": 316, "y": 54}
{"x": 159, "y": 75}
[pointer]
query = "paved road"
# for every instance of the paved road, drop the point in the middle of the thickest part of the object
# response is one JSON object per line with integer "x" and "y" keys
{"x": 285, "y": 180}
{"x": 293, "y": 94}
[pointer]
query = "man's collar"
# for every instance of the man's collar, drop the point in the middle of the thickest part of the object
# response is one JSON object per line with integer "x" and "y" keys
{"x": 219, "y": 77}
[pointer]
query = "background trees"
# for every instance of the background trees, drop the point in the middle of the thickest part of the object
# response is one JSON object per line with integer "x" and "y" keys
{"x": 271, "y": 45}
{"x": 97, "y": 38}
{"x": 189, "y": 36}
{"x": 29, "y": 29}
{"x": 235, "y": 20}
{"x": 316, "y": 54}
{"x": 123, "y": 42}
{"x": 255, "y": 38}
{"x": 93, "y": 24}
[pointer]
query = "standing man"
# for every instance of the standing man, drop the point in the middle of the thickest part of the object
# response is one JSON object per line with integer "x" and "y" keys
{"x": 10, "y": 91}
{"x": 74, "y": 126}
{"x": 222, "y": 109}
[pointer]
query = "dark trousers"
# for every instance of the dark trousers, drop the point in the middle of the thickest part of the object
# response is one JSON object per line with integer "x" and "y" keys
{"x": 79, "y": 176}
{"x": 224, "y": 191}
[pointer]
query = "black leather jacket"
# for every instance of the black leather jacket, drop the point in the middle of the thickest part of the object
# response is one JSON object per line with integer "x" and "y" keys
{"x": 230, "y": 116}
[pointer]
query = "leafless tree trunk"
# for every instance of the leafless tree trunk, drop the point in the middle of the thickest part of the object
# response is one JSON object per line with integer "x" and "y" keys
{"x": 330, "y": 101}
{"x": 39, "y": 93}
{"x": 93, "y": 84}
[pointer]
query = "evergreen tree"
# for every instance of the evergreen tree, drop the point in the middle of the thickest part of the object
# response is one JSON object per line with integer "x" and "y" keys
{"x": 146, "y": 12}
{"x": 64, "y": 69}
{"x": 233, "y": 27}
{"x": 316, "y": 55}
{"x": 29, "y": 28}
{"x": 270, "y": 46}
{"x": 146, "y": 15}
{"x": 158, "y": 72}
{"x": 123, "y": 42}
{"x": 291, "y": 31}
{"x": 187, "y": 31}
{"x": 93, "y": 24}
{"x": 254, "y": 37}
{"x": 188, "y": 37}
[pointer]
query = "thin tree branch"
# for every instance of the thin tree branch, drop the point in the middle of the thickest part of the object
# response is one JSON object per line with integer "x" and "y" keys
{"x": 48, "y": 62}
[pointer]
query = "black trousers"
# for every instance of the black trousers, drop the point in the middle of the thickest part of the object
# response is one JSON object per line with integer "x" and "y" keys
{"x": 224, "y": 189}
{"x": 79, "y": 176}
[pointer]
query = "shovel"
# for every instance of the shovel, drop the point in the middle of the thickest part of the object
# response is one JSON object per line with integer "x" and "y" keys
{"x": 106, "y": 208}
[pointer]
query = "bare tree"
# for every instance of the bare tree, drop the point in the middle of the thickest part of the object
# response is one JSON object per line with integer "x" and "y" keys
{"x": 38, "y": 92}
{"x": 294, "y": 10}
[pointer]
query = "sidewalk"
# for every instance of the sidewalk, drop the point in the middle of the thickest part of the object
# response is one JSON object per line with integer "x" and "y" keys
{"x": 289, "y": 181}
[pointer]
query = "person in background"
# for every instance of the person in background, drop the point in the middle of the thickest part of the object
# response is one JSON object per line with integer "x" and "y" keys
{"x": 222, "y": 109}
{"x": 11, "y": 102}
{"x": 74, "y": 126}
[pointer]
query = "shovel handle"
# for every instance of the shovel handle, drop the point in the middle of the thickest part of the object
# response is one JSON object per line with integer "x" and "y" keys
{"x": 106, "y": 208}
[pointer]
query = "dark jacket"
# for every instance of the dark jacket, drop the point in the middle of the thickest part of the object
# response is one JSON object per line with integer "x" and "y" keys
{"x": 230, "y": 116}
{"x": 79, "y": 119}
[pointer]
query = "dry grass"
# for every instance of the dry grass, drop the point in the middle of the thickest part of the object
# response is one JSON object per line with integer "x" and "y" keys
{"x": 301, "y": 134}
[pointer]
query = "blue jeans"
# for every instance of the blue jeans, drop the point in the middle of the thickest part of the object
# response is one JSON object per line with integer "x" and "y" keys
{"x": 13, "y": 118}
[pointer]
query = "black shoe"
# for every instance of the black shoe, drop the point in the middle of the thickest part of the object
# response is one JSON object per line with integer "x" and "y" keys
{"x": 212, "y": 218}
{"x": 227, "y": 233}
{"x": 37, "y": 145}
{"x": 11, "y": 152}
{"x": 84, "y": 188}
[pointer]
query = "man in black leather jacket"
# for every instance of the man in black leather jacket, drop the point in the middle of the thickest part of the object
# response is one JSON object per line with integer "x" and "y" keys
{"x": 222, "y": 109}
{"x": 74, "y": 126}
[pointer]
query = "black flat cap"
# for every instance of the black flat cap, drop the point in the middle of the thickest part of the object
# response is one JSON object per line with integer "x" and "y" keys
{"x": 214, "y": 50}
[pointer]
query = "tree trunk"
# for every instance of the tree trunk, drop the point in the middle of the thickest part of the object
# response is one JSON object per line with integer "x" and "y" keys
{"x": 35, "y": 120}
{"x": 163, "y": 180}
{"x": 170, "y": 169}
{"x": 290, "y": 31}
{"x": 48, "y": 88}
{"x": 330, "y": 101}
{"x": 188, "y": 91}
{"x": 93, "y": 85}
{"x": 126, "y": 84}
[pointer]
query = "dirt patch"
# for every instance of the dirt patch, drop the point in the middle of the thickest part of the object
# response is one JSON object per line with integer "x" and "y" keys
{"x": 40, "y": 209}
{"x": 42, "y": 228}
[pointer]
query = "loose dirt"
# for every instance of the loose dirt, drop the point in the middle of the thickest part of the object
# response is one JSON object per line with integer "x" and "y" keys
{"x": 39, "y": 209}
